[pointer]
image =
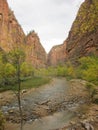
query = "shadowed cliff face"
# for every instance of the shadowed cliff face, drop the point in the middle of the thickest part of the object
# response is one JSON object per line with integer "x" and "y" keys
{"x": 11, "y": 34}
{"x": 83, "y": 36}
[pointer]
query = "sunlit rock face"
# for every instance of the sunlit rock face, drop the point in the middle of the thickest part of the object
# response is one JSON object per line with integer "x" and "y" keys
{"x": 11, "y": 32}
{"x": 11, "y": 35}
{"x": 35, "y": 50}
{"x": 57, "y": 55}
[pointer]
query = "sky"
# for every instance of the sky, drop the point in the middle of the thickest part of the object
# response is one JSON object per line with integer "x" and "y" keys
{"x": 50, "y": 19}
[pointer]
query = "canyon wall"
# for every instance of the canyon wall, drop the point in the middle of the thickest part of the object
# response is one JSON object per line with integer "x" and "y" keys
{"x": 83, "y": 36}
{"x": 57, "y": 55}
{"x": 12, "y": 35}
{"x": 35, "y": 51}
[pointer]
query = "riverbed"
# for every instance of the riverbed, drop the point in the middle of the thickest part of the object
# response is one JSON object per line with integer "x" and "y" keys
{"x": 45, "y": 108}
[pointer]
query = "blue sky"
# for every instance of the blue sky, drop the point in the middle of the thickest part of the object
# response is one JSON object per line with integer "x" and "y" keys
{"x": 51, "y": 19}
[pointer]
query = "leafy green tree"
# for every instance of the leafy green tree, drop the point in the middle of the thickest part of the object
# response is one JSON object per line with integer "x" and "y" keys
{"x": 62, "y": 70}
{"x": 89, "y": 67}
{"x": 2, "y": 121}
{"x": 26, "y": 69}
{"x": 92, "y": 90}
{"x": 16, "y": 58}
{"x": 9, "y": 73}
{"x": 2, "y": 66}
{"x": 9, "y": 70}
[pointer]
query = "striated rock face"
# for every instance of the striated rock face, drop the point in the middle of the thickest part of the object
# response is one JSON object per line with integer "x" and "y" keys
{"x": 83, "y": 37}
{"x": 11, "y": 34}
{"x": 35, "y": 51}
{"x": 57, "y": 55}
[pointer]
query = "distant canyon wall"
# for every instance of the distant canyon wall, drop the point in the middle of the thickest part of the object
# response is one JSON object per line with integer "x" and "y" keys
{"x": 57, "y": 55}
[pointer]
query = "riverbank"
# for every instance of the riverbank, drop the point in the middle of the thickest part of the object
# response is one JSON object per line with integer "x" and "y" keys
{"x": 50, "y": 101}
{"x": 8, "y": 94}
{"x": 87, "y": 113}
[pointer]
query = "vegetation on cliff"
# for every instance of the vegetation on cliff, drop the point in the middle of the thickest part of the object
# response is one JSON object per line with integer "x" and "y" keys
{"x": 87, "y": 18}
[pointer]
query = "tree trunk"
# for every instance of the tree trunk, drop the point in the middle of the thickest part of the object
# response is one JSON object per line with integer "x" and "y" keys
{"x": 19, "y": 96}
{"x": 20, "y": 110}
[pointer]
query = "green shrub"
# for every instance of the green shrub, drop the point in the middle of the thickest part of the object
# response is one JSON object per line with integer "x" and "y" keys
{"x": 92, "y": 90}
{"x": 2, "y": 121}
{"x": 89, "y": 69}
{"x": 26, "y": 69}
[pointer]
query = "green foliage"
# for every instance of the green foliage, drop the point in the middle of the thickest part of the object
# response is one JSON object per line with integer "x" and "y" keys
{"x": 2, "y": 121}
{"x": 89, "y": 69}
{"x": 30, "y": 82}
{"x": 87, "y": 20}
{"x": 50, "y": 71}
{"x": 2, "y": 69}
{"x": 60, "y": 70}
{"x": 26, "y": 69}
{"x": 9, "y": 65}
{"x": 35, "y": 82}
{"x": 92, "y": 90}
{"x": 8, "y": 74}
{"x": 65, "y": 70}
{"x": 16, "y": 56}
{"x": 9, "y": 70}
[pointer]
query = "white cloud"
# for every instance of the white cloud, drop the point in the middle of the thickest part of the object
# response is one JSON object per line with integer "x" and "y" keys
{"x": 51, "y": 19}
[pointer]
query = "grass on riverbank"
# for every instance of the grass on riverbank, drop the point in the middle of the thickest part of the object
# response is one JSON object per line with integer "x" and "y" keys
{"x": 28, "y": 83}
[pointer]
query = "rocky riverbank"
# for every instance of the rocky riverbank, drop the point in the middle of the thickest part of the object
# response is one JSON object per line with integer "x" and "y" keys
{"x": 56, "y": 97}
{"x": 87, "y": 113}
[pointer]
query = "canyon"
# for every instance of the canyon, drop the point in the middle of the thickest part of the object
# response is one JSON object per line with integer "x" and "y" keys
{"x": 82, "y": 39}
{"x": 52, "y": 100}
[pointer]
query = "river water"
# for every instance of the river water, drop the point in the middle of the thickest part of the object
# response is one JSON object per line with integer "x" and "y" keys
{"x": 50, "y": 95}
{"x": 55, "y": 121}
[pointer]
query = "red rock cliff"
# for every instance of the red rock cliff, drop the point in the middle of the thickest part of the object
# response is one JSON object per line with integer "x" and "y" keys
{"x": 35, "y": 51}
{"x": 83, "y": 37}
{"x": 57, "y": 55}
{"x": 10, "y": 30}
{"x": 12, "y": 34}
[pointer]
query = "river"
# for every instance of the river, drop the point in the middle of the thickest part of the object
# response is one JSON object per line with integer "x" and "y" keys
{"x": 42, "y": 107}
